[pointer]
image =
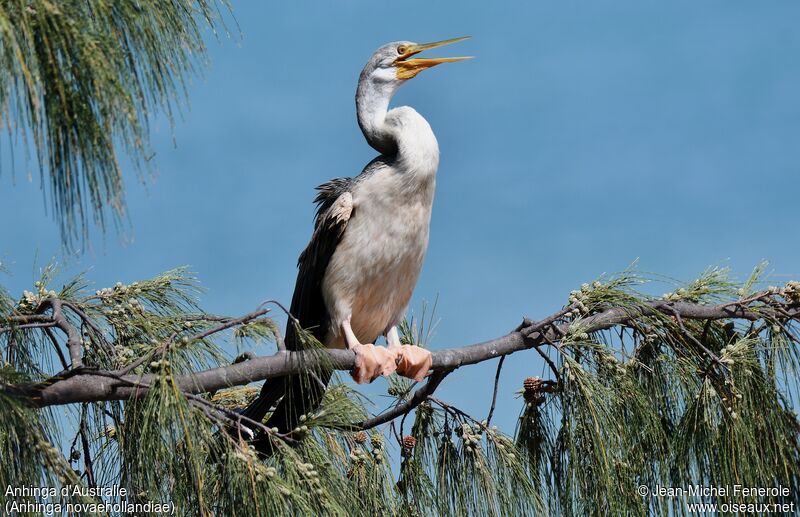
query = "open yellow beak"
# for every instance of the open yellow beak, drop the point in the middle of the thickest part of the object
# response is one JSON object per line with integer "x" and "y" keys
{"x": 408, "y": 68}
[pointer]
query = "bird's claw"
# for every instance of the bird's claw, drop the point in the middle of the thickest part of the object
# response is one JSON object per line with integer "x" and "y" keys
{"x": 372, "y": 362}
{"x": 413, "y": 361}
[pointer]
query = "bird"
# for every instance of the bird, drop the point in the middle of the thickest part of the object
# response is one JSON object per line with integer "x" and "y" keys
{"x": 357, "y": 273}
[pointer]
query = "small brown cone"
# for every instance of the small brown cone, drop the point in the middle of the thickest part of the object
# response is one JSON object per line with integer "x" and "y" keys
{"x": 409, "y": 442}
{"x": 532, "y": 384}
{"x": 360, "y": 437}
{"x": 533, "y": 390}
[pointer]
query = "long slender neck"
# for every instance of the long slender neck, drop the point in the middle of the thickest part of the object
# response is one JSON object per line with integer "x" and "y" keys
{"x": 401, "y": 134}
{"x": 372, "y": 103}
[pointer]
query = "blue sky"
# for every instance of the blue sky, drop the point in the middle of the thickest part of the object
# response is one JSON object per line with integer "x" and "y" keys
{"x": 583, "y": 136}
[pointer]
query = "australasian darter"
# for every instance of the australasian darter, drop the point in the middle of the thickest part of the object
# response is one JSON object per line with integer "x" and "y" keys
{"x": 370, "y": 236}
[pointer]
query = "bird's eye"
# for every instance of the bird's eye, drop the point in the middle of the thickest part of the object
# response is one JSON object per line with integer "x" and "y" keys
{"x": 401, "y": 49}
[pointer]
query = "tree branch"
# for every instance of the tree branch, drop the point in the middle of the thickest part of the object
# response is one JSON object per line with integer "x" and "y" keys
{"x": 91, "y": 323}
{"x": 74, "y": 341}
{"x": 89, "y": 385}
{"x": 419, "y": 396}
{"x": 494, "y": 391}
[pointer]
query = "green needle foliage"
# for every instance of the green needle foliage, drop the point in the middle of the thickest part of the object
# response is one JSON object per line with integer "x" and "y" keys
{"x": 80, "y": 81}
{"x": 665, "y": 401}
{"x": 655, "y": 399}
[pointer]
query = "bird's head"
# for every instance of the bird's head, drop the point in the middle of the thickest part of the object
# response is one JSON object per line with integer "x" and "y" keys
{"x": 394, "y": 63}
{"x": 389, "y": 67}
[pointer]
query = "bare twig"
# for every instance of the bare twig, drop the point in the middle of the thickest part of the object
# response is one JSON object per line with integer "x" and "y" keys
{"x": 57, "y": 346}
{"x": 43, "y": 324}
{"x": 239, "y": 419}
{"x": 416, "y": 399}
{"x": 546, "y": 358}
{"x": 91, "y": 324}
{"x": 87, "y": 454}
{"x": 228, "y": 413}
{"x": 457, "y": 412}
{"x": 292, "y": 320}
{"x": 203, "y": 317}
{"x": 230, "y": 323}
{"x": 226, "y": 323}
{"x": 494, "y": 392}
{"x": 694, "y": 340}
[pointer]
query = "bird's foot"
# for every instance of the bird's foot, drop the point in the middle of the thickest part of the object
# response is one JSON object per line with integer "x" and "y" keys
{"x": 372, "y": 362}
{"x": 413, "y": 361}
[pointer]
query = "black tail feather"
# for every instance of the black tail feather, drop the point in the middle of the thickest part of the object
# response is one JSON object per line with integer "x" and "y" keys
{"x": 302, "y": 394}
{"x": 271, "y": 392}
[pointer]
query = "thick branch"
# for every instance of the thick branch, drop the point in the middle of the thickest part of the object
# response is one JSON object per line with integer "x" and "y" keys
{"x": 98, "y": 386}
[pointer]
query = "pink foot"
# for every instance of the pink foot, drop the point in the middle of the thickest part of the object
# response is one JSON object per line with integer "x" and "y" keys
{"x": 413, "y": 362}
{"x": 372, "y": 362}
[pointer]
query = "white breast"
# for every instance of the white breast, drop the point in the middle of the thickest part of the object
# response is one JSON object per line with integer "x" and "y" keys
{"x": 373, "y": 272}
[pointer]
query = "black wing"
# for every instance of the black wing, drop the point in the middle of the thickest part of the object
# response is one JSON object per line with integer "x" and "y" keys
{"x": 334, "y": 209}
{"x": 300, "y": 394}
